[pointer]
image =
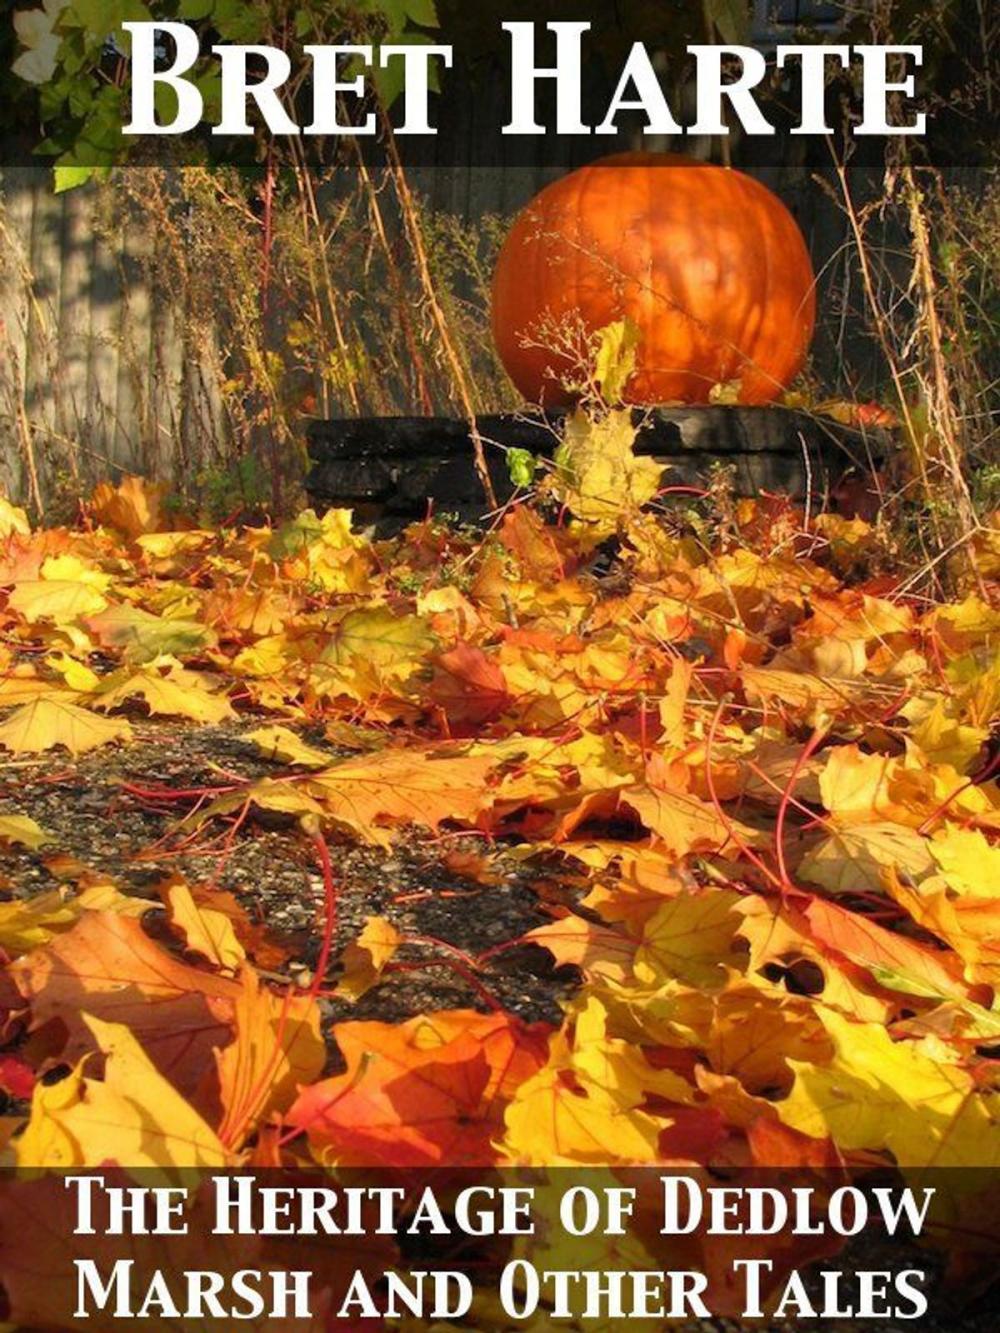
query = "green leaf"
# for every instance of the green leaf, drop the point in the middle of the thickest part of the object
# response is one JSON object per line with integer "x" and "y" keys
{"x": 192, "y": 10}
{"x": 392, "y": 12}
{"x": 239, "y": 22}
{"x": 390, "y": 80}
{"x": 522, "y": 466}
{"x": 165, "y": 103}
{"x": 73, "y": 54}
{"x": 209, "y": 85}
{"x": 70, "y": 177}
{"x": 53, "y": 97}
{"x": 422, "y": 12}
{"x": 52, "y": 148}
{"x": 81, "y": 98}
{"x": 100, "y": 141}
{"x": 103, "y": 17}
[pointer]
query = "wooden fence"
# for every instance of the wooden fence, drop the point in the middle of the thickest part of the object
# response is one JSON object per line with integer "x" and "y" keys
{"x": 89, "y": 369}
{"x": 95, "y": 373}
{"x": 93, "y": 362}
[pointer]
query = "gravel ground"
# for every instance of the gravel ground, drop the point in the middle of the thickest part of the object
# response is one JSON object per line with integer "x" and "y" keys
{"x": 270, "y": 868}
{"x": 272, "y": 871}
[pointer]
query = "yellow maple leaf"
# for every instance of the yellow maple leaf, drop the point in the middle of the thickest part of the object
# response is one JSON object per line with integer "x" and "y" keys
{"x": 855, "y": 858}
{"x": 754, "y": 1037}
{"x": 559, "y": 1116}
{"x": 978, "y": 690}
{"x": 968, "y": 863}
{"x": 402, "y": 786}
{"x": 540, "y": 768}
{"x": 267, "y": 657}
{"x": 56, "y": 600}
{"x": 324, "y": 551}
{"x": 365, "y": 957}
{"x": 138, "y": 636}
{"x": 133, "y": 1117}
{"x": 71, "y": 569}
{"x": 47, "y": 722}
{"x": 848, "y": 537}
{"x": 276, "y": 1048}
{"x": 283, "y": 746}
{"x": 23, "y": 830}
{"x": 864, "y": 788}
{"x": 779, "y": 937}
{"x": 168, "y": 689}
{"x": 691, "y": 937}
{"x": 616, "y": 1067}
{"x": 682, "y": 821}
{"x": 393, "y": 643}
{"x": 674, "y": 735}
{"x": 942, "y": 736}
{"x": 165, "y": 545}
{"x": 840, "y": 658}
{"x": 28, "y": 923}
{"x": 972, "y": 620}
{"x": 546, "y": 695}
{"x": 968, "y": 923}
{"x": 282, "y": 797}
{"x": 614, "y": 362}
{"x": 818, "y": 698}
{"x": 22, "y": 683}
{"x": 13, "y": 521}
{"x": 601, "y": 953}
{"x": 371, "y": 794}
{"x": 205, "y": 931}
{"x": 77, "y": 676}
{"x": 882, "y": 1095}
{"x": 597, "y": 473}
{"x": 646, "y": 876}
{"x": 133, "y": 507}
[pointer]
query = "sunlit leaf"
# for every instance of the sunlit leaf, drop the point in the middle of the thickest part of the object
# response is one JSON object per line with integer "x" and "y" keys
{"x": 46, "y": 723}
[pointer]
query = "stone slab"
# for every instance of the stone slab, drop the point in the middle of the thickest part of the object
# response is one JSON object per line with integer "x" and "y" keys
{"x": 393, "y": 467}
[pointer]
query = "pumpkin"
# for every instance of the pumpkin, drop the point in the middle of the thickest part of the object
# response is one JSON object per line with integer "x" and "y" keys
{"x": 706, "y": 262}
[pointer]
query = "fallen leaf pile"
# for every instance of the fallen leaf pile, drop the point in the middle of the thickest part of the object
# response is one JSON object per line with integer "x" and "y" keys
{"x": 768, "y": 790}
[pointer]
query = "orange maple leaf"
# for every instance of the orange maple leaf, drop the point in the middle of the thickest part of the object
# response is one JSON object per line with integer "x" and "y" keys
{"x": 108, "y": 967}
{"x": 428, "y": 1092}
{"x": 468, "y": 685}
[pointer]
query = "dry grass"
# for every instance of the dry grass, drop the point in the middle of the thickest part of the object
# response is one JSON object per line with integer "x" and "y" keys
{"x": 246, "y": 308}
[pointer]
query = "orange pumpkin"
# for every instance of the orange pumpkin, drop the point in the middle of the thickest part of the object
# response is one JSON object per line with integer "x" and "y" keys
{"x": 708, "y": 264}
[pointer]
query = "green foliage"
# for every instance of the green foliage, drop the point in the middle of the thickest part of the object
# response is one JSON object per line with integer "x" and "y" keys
{"x": 236, "y": 489}
{"x": 74, "y": 54}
